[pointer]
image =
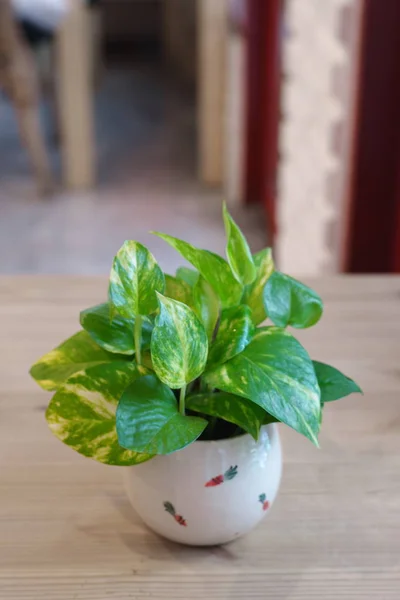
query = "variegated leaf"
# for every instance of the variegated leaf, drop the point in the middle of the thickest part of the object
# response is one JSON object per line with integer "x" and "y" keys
{"x": 231, "y": 408}
{"x": 238, "y": 251}
{"x": 82, "y": 412}
{"x": 275, "y": 372}
{"x": 114, "y": 335}
{"x": 253, "y": 295}
{"x": 289, "y": 302}
{"x": 135, "y": 278}
{"x": 206, "y": 305}
{"x": 190, "y": 276}
{"x": 177, "y": 289}
{"x": 75, "y": 354}
{"x": 148, "y": 419}
{"x": 214, "y": 269}
{"x": 235, "y": 332}
{"x": 333, "y": 384}
{"x": 179, "y": 344}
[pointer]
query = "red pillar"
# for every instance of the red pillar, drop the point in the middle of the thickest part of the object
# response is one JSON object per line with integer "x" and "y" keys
{"x": 264, "y": 18}
{"x": 372, "y": 241}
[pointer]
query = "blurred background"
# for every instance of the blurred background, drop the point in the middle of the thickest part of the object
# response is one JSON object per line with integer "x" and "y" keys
{"x": 122, "y": 116}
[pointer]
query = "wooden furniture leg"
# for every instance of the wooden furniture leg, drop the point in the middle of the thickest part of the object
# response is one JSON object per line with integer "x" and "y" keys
{"x": 31, "y": 136}
{"x": 74, "y": 91}
{"x": 19, "y": 79}
{"x": 213, "y": 28}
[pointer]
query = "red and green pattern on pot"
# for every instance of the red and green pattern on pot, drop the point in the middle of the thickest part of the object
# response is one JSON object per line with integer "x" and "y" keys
{"x": 171, "y": 510}
{"x": 227, "y": 476}
{"x": 263, "y": 499}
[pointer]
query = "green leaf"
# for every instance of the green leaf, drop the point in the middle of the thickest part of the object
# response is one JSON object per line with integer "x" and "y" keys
{"x": 179, "y": 344}
{"x": 231, "y": 408}
{"x": 190, "y": 276}
{"x": 82, "y": 412}
{"x": 177, "y": 289}
{"x": 206, "y": 305}
{"x": 148, "y": 419}
{"x": 214, "y": 269}
{"x": 253, "y": 295}
{"x": 275, "y": 372}
{"x": 238, "y": 251}
{"x": 75, "y": 354}
{"x": 270, "y": 419}
{"x": 115, "y": 336}
{"x": 289, "y": 302}
{"x": 135, "y": 278}
{"x": 333, "y": 384}
{"x": 235, "y": 332}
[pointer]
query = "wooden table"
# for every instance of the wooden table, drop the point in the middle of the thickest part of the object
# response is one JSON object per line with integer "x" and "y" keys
{"x": 67, "y": 530}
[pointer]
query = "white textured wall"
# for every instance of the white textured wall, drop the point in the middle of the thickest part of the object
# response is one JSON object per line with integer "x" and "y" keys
{"x": 319, "y": 44}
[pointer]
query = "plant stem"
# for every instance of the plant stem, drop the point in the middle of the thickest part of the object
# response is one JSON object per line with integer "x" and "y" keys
{"x": 182, "y": 400}
{"x": 138, "y": 339}
{"x": 211, "y": 427}
{"x": 204, "y": 388}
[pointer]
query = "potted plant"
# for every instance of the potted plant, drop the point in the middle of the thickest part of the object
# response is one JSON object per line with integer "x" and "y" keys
{"x": 176, "y": 379}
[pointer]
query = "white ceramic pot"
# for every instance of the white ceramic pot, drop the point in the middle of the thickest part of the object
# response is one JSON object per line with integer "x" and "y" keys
{"x": 211, "y": 492}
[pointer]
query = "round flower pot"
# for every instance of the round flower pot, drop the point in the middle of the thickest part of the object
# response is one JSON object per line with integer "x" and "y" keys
{"x": 211, "y": 492}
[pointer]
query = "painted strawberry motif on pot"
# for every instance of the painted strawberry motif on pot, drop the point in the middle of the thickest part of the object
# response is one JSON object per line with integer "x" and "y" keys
{"x": 263, "y": 499}
{"x": 171, "y": 510}
{"x": 227, "y": 476}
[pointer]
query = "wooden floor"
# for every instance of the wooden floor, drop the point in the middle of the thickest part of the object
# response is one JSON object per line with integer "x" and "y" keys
{"x": 146, "y": 142}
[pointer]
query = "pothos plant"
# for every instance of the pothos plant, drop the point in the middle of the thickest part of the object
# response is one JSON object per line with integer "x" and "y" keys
{"x": 172, "y": 359}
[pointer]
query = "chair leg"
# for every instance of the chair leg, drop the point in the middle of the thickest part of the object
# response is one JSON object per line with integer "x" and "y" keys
{"x": 32, "y": 138}
{"x": 20, "y": 80}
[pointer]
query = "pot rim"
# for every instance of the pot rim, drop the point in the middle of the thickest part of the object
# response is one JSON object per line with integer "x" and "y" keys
{"x": 270, "y": 427}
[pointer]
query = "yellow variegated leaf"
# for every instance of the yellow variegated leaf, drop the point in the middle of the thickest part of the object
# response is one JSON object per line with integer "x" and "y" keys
{"x": 214, "y": 269}
{"x": 190, "y": 276}
{"x": 177, "y": 289}
{"x": 75, "y": 354}
{"x": 148, "y": 419}
{"x": 206, "y": 305}
{"x": 235, "y": 332}
{"x": 134, "y": 280}
{"x": 82, "y": 414}
{"x": 179, "y": 344}
{"x": 114, "y": 334}
{"x": 253, "y": 295}
{"x": 231, "y": 408}
{"x": 275, "y": 372}
{"x": 238, "y": 251}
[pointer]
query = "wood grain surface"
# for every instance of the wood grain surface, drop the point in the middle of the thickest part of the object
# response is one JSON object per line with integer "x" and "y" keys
{"x": 67, "y": 530}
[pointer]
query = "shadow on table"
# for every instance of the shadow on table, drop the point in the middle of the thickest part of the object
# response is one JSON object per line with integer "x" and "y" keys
{"x": 231, "y": 565}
